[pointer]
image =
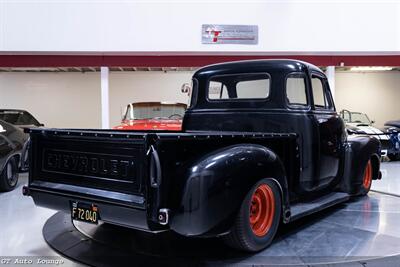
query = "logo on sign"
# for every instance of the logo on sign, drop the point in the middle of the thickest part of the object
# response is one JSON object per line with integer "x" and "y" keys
{"x": 229, "y": 34}
{"x": 213, "y": 34}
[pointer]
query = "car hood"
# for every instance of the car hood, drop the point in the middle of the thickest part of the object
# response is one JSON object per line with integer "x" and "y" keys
{"x": 360, "y": 128}
{"x": 151, "y": 124}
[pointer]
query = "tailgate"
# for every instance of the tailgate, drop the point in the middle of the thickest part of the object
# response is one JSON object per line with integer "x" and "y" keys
{"x": 101, "y": 165}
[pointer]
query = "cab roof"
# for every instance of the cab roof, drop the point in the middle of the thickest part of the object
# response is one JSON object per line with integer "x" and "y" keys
{"x": 260, "y": 65}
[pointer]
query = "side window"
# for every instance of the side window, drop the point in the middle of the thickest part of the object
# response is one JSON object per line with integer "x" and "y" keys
{"x": 319, "y": 94}
{"x": 296, "y": 93}
{"x": 217, "y": 90}
{"x": 239, "y": 87}
{"x": 329, "y": 98}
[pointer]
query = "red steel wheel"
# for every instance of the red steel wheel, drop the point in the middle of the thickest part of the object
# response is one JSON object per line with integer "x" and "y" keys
{"x": 367, "y": 180}
{"x": 262, "y": 210}
{"x": 258, "y": 218}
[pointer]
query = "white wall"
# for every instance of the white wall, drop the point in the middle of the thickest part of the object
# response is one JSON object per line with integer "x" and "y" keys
{"x": 311, "y": 26}
{"x": 55, "y": 99}
{"x": 128, "y": 87}
{"x": 73, "y": 99}
{"x": 376, "y": 94}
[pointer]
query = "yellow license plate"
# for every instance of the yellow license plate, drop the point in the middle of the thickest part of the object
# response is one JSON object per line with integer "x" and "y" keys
{"x": 85, "y": 212}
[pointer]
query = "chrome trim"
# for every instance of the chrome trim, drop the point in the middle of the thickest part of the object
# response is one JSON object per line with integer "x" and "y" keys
{"x": 165, "y": 213}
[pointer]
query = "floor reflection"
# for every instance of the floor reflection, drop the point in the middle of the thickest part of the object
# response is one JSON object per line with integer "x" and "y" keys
{"x": 390, "y": 181}
{"x": 21, "y": 224}
{"x": 361, "y": 228}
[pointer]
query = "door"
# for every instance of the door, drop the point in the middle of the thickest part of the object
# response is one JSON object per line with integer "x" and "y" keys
{"x": 328, "y": 134}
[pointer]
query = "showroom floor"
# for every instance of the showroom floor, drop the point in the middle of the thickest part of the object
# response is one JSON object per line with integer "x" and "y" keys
{"x": 21, "y": 223}
{"x": 390, "y": 182}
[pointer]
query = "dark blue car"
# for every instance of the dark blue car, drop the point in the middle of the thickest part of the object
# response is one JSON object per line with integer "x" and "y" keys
{"x": 392, "y": 128}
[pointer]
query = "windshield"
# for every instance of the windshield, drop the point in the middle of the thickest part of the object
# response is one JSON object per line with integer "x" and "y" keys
{"x": 140, "y": 111}
{"x": 356, "y": 117}
{"x": 18, "y": 117}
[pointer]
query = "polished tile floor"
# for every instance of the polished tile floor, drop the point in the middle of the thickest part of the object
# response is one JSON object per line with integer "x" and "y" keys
{"x": 359, "y": 228}
{"x": 362, "y": 229}
{"x": 21, "y": 225}
{"x": 390, "y": 181}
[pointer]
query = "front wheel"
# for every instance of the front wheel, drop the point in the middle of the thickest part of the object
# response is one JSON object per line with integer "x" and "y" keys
{"x": 258, "y": 218}
{"x": 367, "y": 179}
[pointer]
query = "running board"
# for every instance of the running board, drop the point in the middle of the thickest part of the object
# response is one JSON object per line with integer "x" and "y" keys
{"x": 302, "y": 209}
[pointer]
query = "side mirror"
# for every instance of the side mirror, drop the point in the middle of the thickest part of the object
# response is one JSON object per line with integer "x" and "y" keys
{"x": 373, "y": 121}
{"x": 41, "y": 124}
{"x": 186, "y": 89}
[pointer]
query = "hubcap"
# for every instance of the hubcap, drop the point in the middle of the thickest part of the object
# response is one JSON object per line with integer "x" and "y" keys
{"x": 367, "y": 180}
{"x": 11, "y": 177}
{"x": 262, "y": 210}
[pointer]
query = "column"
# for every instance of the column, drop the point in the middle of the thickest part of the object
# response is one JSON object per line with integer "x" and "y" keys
{"x": 105, "y": 103}
{"x": 330, "y": 74}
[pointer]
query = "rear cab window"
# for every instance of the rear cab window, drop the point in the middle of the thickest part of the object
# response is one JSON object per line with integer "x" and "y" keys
{"x": 239, "y": 87}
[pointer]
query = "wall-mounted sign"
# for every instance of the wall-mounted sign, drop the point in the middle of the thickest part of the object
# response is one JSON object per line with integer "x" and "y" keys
{"x": 229, "y": 34}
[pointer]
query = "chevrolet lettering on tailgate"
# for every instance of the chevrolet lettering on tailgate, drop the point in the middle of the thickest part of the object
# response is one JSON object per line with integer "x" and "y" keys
{"x": 100, "y": 165}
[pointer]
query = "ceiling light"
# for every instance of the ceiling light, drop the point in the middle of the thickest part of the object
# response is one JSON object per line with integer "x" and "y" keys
{"x": 370, "y": 68}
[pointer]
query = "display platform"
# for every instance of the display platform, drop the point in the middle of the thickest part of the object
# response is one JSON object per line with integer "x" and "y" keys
{"x": 361, "y": 232}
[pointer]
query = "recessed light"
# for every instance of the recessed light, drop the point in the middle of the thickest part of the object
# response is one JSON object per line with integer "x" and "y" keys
{"x": 370, "y": 68}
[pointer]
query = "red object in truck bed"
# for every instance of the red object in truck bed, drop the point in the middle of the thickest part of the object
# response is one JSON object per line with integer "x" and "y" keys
{"x": 161, "y": 116}
{"x": 150, "y": 124}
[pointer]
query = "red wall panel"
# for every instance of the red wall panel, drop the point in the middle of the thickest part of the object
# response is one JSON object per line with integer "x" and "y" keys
{"x": 181, "y": 60}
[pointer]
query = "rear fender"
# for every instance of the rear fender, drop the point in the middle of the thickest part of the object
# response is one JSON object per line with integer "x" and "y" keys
{"x": 358, "y": 150}
{"x": 216, "y": 185}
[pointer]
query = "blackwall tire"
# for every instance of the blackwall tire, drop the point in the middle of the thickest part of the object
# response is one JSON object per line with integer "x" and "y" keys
{"x": 9, "y": 175}
{"x": 258, "y": 218}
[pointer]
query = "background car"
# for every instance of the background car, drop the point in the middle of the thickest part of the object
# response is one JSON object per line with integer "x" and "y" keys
{"x": 13, "y": 144}
{"x": 22, "y": 119}
{"x": 19, "y": 117}
{"x": 153, "y": 116}
{"x": 359, "y": 123}
{"x": 395, "y": 124}
{"x": 393, "y": 129}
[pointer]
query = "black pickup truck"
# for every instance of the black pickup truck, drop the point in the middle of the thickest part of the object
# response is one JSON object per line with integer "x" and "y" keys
{"x": 261, "y": 144}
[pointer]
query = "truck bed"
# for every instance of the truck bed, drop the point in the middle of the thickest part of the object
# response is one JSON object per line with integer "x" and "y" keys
{"x": 113, "y": 167}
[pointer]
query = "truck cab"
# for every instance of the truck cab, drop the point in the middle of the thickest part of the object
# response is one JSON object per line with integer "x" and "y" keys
{"x": 297, "y": 100}
{"x": 261, "y": 144}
